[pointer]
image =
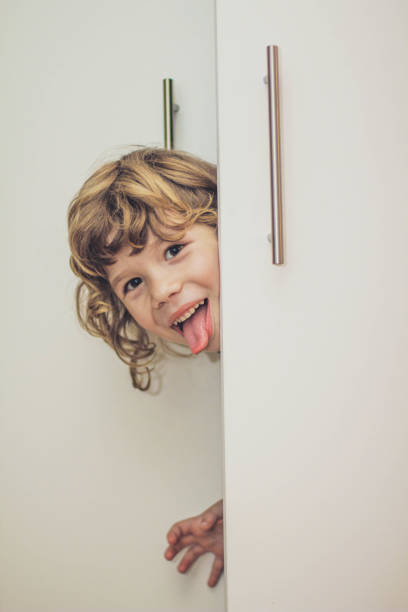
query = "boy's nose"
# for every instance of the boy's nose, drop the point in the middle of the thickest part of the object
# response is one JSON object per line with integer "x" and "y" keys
{"x": 162, "y": 291}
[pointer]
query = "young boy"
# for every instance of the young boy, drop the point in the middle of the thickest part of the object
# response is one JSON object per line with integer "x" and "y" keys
{"x": 143, "y": 238}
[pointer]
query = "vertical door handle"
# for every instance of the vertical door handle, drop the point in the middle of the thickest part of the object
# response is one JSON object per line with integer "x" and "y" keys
{"x": 169, "y": 108}
{"x": 275, "y": 154}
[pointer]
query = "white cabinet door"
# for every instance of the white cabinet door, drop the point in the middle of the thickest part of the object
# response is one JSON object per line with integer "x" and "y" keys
{"x": 94, "y": 472}
{"x": 315, "y": 352}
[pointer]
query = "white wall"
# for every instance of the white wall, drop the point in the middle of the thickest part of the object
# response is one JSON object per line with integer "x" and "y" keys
{"x": 93, "y": 471}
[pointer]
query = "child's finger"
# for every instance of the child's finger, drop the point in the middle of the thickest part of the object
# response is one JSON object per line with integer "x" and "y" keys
{"x": 182, "y": 528}
{"x": 173, "y": 534}
{"x": 170, "y": 553}
{"x": 191, "y": 555}
{"x": 216, "y": 571}
{"x": 178, "y": 531}
{"x": 173, "y": 550}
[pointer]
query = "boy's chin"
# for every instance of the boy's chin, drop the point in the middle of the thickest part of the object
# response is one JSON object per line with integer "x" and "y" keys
{"x": 212, "y": 347}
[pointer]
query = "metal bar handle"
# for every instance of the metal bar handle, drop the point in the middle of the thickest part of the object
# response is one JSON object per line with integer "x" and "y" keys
{"x": 275, "y": 154}
{"x": 169, "y": 109}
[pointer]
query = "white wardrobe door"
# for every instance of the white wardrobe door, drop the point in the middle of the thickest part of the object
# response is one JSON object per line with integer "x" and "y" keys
{"x": 93, "y": 472}
{"x": 315, "y": 352}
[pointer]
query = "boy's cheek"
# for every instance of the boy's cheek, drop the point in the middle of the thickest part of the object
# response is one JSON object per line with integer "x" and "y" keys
{"x": 210, "y": 273}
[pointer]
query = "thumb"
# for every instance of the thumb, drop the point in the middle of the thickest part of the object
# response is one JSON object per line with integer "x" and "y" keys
{"x": 208, "y": 520}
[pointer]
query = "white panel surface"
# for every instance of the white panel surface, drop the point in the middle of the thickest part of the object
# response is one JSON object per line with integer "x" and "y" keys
{"x": 93, "y": 472}
{"x": 315, "y": 352}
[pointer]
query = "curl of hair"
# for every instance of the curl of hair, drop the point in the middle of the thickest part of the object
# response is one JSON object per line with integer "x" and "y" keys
{"x": 157, "y": 189}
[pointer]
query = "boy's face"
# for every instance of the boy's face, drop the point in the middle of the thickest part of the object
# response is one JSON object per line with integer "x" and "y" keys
{"x": 163, "y": 285}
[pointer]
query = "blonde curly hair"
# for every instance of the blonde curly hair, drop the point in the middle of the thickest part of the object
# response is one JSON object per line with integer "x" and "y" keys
{"x": 157, "y": 189}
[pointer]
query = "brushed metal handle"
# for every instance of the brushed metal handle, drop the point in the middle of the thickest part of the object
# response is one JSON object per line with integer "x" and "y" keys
{"x": 272, "y": 80}
{"x": 169, "y": 108}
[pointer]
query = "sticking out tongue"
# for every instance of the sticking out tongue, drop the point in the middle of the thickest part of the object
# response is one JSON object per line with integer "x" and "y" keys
{"x": 198, "y": 328}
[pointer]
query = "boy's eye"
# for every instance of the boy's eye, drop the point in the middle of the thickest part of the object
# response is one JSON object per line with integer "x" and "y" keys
{"x": 132, "y": 284}
{"x": 173, "y": 251}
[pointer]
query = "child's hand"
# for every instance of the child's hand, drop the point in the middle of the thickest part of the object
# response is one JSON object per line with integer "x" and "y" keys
{"x": 202, "y": 534}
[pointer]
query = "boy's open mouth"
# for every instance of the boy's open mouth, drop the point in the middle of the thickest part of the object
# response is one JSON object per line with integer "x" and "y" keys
{"x": 195, "y": 326}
